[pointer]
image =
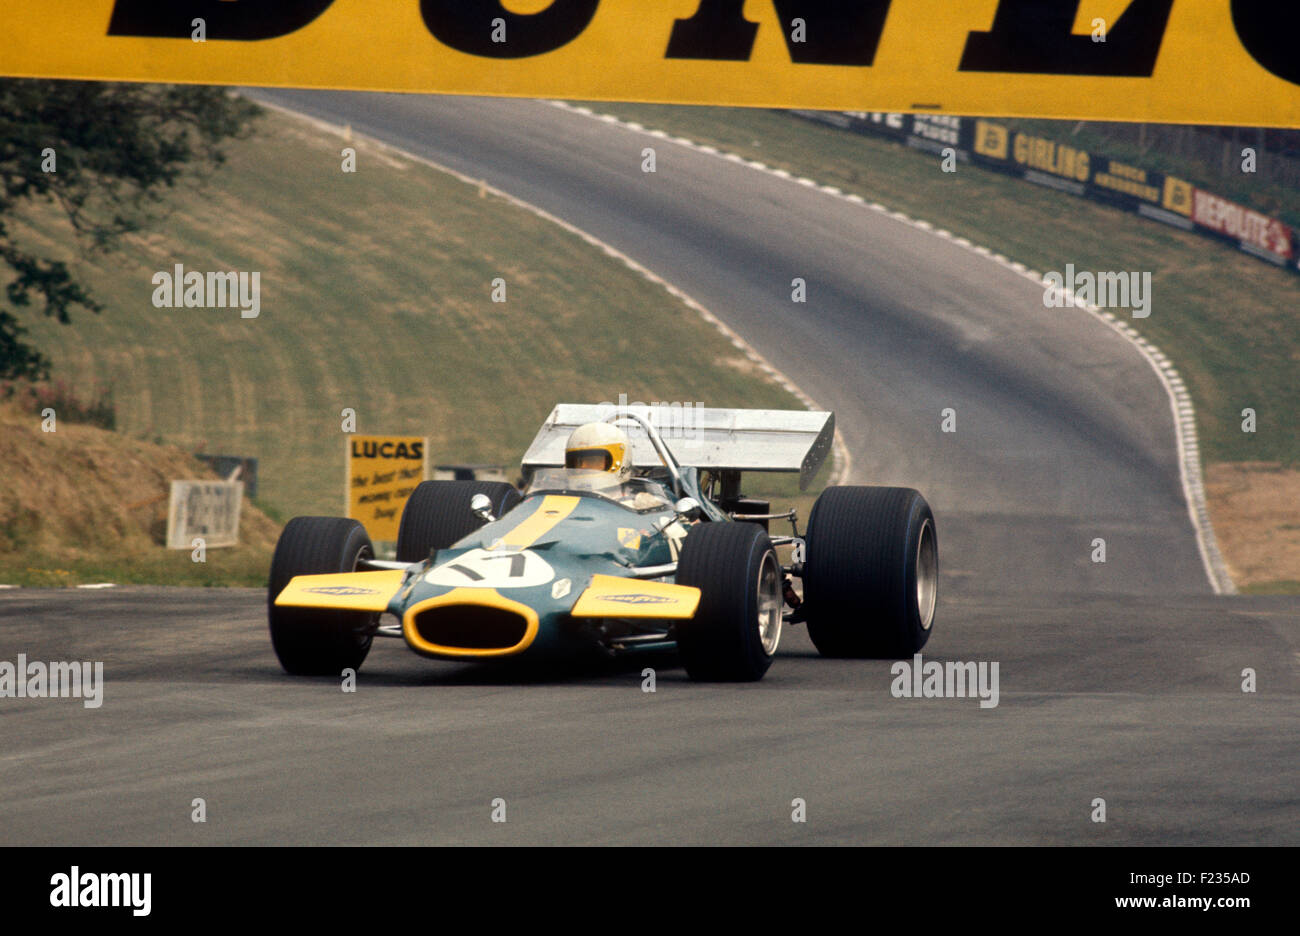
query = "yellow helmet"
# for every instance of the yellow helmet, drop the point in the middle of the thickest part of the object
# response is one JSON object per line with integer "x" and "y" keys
{"x": 599, "y": 447}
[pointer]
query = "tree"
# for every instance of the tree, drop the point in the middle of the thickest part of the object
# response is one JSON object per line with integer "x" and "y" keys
{"x": 104, "y": 153}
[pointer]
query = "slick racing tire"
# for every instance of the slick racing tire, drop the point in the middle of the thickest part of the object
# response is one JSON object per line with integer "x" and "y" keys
{"x": 312, "y": 641}
{"x": 437, "y": 514}
{"x": 736, "y": 629}
{"x": 871, "y": 572}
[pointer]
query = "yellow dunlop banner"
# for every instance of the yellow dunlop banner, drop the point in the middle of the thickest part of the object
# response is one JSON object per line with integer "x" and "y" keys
{"x": 382, "y": 471}
{"x": 1194, "y": 61}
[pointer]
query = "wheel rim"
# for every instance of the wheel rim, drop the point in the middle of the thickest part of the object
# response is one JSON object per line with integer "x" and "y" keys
{"x": 769, "y": 603}
{"x": 927, "y": 575}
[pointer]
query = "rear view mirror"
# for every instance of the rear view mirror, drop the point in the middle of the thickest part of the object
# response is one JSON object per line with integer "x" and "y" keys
{"x": 689, "y": 508}
{"x": 481, "y": 506}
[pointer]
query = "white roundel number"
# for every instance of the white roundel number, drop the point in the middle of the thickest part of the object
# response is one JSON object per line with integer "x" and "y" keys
{"x": 492, "y": 568}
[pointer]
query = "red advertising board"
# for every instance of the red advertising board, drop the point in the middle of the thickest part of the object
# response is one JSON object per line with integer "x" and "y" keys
{"x": 1241, "y": 223}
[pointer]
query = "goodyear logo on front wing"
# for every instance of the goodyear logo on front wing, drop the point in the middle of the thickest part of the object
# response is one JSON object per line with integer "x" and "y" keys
{"x": 341, "y": 591}
{"x": 1197, "y": 61}
{"x": 641, "y": 599}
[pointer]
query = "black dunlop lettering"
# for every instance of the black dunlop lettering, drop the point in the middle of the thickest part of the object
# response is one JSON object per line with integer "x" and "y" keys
{"x": 1034, "y": 37}
{"x": 466, "y": 26}
{"x": 173, "y": 19}
{"x": 837, "y": 32}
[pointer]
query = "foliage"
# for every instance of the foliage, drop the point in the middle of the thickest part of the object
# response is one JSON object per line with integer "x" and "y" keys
{"x": 106, "y": 154}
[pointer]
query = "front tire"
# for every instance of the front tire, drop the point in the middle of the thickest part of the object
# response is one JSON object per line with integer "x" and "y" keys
{"x": 737, "y": 627}
{"x": 437, "y": 514}
{"x": 311, "y": 641}
{"x": 871, "y": 572}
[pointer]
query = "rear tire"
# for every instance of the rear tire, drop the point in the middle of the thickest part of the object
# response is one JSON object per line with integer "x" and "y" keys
{"x": 736, "y": 629}
{"x": 437, "y": 514}
{"x": 311, "y": 641}
{"x": 871, "y": 572}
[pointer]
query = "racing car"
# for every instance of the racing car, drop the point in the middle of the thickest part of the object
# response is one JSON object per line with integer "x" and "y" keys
{"x": 620, "y": 543}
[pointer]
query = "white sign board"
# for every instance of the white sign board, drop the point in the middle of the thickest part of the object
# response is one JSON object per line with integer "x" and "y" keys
{"x": 206, "y": 510}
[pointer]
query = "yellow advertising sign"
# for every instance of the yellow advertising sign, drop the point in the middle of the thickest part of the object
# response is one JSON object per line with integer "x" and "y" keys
{"x": 382, "y": 471}
{"x": 1194, "y": 61}
{"x": 1178, "y": 195}
{"x": 991, "y": 140}
{"x": 1045, "y": 155}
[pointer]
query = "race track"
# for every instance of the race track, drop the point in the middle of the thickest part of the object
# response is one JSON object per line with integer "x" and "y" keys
{"x": 1119, "y": 680}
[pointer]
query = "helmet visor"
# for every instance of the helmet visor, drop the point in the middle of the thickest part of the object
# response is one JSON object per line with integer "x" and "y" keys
{"x": 594, "y": 459}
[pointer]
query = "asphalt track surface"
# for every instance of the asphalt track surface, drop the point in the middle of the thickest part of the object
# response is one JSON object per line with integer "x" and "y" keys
{"x": 1119, "y": 681}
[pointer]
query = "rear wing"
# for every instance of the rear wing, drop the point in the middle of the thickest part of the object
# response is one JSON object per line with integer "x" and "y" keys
{"x": 699, "y": 437}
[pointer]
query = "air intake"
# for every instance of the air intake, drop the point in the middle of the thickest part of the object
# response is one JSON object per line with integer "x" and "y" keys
{"x": 470, "y": 627}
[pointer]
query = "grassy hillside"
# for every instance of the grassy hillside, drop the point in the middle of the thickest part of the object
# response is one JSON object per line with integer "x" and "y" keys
{"x": 376, "y": 296}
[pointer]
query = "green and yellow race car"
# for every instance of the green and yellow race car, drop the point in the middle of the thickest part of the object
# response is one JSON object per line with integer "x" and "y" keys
{"x": 629, "y": 535}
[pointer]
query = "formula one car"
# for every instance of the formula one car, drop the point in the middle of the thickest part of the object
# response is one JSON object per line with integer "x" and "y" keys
{"x": 598, "y": 554}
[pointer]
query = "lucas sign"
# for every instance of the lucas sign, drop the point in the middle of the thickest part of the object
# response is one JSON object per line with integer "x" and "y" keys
{"x": 1191, "y": 61}
{"x": 382, "y": 471}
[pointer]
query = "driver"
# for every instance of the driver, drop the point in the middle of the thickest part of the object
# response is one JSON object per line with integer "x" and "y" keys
{"x": 605, "y": 447}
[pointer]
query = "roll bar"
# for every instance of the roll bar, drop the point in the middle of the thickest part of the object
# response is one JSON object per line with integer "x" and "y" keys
{"x": 657, "y": 441}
